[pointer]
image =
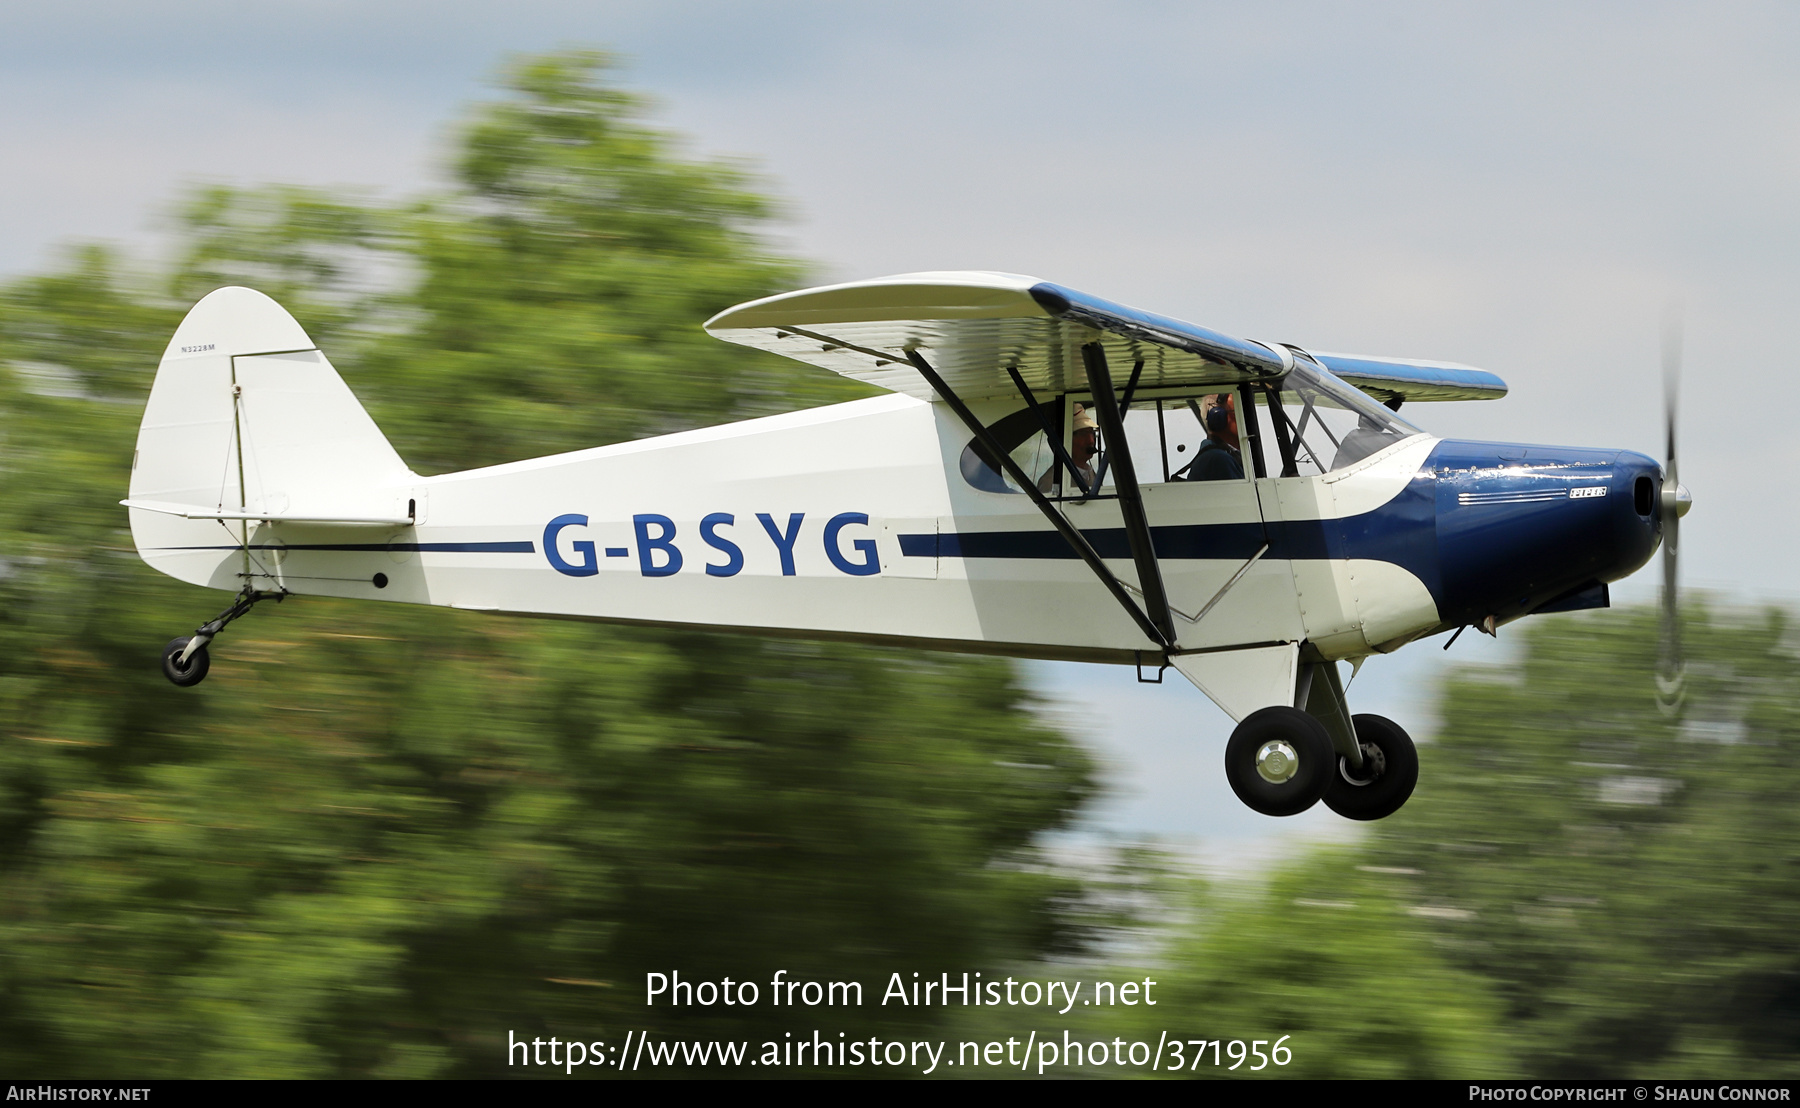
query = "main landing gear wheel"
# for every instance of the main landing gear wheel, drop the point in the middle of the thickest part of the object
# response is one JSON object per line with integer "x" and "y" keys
{"x": 190, "y": 672}
{"x": 1389, "y": 771}
{"x": 1279, "y": 761}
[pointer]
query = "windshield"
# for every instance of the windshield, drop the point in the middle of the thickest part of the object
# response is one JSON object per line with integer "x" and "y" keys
{"x": 1331, "y": 424}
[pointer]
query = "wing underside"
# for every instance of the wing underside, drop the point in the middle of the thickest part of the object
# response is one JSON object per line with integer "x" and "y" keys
{"x": 976, "y": 329}
{"x": 980, "y": 331}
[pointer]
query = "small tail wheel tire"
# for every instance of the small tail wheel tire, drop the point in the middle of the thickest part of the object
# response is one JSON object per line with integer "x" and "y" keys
{"x": 1279, "y": 761}
{"x": 1389, "y": 772}
{"x": 184, "y": 674}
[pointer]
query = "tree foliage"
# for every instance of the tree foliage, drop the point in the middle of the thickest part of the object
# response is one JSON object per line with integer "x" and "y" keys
{"x": 1627, "y": 878}
{"x": 1327, "y": 955}
{"x": 1584, "y": 885}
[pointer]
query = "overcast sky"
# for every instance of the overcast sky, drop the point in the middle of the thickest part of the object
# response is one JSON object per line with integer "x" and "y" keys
{"x": 1522, "y": 187}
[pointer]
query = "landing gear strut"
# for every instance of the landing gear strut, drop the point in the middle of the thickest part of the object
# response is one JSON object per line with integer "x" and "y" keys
{"x": 185, "y": 661}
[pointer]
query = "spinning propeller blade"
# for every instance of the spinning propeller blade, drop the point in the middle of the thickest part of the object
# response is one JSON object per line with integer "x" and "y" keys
{"x": 1670, "y": 666}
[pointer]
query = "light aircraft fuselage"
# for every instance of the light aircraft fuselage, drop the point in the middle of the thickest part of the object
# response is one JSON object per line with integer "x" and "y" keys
{"x": 948, "y": 515}
{"x": 852, "y": 521}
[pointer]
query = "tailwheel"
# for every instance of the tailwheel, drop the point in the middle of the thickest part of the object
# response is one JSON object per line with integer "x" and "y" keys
{"x": 1389, "y": 771}
{"x": 1280, "y": 761}
{"x": 185, "y": 661}
{"x": 183, "y": 666}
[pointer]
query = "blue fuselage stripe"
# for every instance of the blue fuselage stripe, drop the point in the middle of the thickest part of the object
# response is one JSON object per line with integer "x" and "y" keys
{"x": 1214, "y": 540}
{"x": 525, "y": 547}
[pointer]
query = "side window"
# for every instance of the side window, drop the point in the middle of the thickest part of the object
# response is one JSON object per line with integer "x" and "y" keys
{"x": 1194, "y": 438}
{"x": 1202, "y": 438}
{"x": 1021, "y": 435}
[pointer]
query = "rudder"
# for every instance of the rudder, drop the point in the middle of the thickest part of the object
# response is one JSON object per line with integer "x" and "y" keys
{"x": 247, "y": 417}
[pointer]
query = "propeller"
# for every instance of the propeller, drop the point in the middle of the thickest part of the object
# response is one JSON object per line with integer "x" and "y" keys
{"x": 1671, "y": 668}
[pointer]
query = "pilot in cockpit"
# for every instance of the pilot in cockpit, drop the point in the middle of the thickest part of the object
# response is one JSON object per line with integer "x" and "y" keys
{"x": 1368, "y": 437}
{"x": 1084, "y": 444}
{"x": 1219, "y": 458}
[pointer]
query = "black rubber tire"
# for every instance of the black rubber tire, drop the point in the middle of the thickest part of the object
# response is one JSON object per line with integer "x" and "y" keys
{"x": 1312, "y": 750}
{"x": 189, "y": 675}
{"x": 1378, "y": 795}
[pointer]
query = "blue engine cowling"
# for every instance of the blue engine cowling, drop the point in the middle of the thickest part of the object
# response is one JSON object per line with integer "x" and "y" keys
{"x": 1522, "y": 529}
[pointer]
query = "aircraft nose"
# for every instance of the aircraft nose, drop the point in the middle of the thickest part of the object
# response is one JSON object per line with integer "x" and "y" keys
{"x": 1524, "y": 529}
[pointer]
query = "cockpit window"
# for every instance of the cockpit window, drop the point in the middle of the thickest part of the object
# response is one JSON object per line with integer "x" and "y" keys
{"x": 1021, "y": 435}
{"x": 1168, "y": 438}
{"x": 1310, "y": 423}
{"x": 1330, "y": 424}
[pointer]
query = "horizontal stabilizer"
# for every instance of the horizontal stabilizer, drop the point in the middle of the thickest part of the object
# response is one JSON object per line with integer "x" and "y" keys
{"x": 1405, "y": 379}
{"x": 195, "y": 511}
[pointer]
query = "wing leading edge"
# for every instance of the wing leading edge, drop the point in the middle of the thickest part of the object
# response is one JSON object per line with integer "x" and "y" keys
{"x": 1391, "y": 379}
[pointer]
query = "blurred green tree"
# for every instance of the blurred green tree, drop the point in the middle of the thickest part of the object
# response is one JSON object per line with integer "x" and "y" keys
{"x": 1583, "y": 885}
{"x": 1627, "y": 879}
{"x": 1324, "y": 957}
{"x": 381, "y": 839}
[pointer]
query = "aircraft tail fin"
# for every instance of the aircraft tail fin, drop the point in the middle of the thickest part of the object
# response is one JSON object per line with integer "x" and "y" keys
{"x": 247, "y": 421}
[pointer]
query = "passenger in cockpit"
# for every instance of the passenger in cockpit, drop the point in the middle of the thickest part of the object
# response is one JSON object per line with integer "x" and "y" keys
{"x": 1219, "y": 458}
{"x": 1366, "y": 439}
{"x": 1084, "y": 444}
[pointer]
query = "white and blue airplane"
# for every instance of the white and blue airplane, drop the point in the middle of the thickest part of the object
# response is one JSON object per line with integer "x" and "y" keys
{"x": 1049, "y": 476}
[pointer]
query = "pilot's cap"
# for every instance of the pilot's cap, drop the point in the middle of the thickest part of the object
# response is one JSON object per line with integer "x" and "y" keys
{"x": 1083, "y": 421}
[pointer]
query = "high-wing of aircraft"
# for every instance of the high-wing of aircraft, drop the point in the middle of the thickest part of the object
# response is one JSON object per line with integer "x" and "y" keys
{"x": 1049, "y": 475}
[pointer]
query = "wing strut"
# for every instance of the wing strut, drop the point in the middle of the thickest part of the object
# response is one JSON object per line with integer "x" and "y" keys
{"x": 1124, "y": 406}
{"x": 1131, "y": 498}
{"x": 1051, "y": 435}
{"x": 1076, "y": 540}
